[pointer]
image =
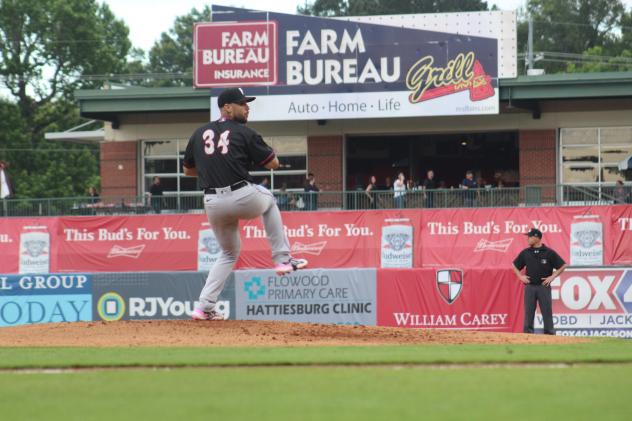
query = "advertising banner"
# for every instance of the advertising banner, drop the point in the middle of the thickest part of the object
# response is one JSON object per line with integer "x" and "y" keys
{"x": 28, "y": 245}
{"x": 294, "y": 64}
{"x": 130, "y": 243}
{"x": 154, "y": 296}
{"x": 592, "y": 302}
{"x": 450, "y": 298}
{"x": 316, "y": 296}
{"x": 406, "y": 238}
{"x": 489, "y": 237}
{"x": 45, "y": 298}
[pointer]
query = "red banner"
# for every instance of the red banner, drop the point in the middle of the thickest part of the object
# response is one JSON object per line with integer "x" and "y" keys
{"x": 466, "y": 238}
{"x": 450, "y": 298}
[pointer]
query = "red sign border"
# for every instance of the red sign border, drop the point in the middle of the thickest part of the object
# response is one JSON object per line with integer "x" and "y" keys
{"x": 275, "y": 59}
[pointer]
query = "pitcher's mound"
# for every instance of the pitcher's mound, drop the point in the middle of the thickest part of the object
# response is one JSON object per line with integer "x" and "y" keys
{"x": 239, "y": 333}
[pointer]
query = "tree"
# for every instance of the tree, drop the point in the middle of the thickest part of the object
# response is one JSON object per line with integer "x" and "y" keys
{"x": 173, "y": 54}
{"x": 571, "y": 26}
{"x": 45, "y": 48}
{"x": 389, "y": 7}
{"x": 595, "y": 60}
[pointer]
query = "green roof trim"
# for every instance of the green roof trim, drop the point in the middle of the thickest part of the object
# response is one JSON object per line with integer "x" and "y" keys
{"x": 106, "y": 104}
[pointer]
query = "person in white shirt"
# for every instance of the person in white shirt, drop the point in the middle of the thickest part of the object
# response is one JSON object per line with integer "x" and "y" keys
{"x": 399, "y": 187}
{"x": 6, "y": 190}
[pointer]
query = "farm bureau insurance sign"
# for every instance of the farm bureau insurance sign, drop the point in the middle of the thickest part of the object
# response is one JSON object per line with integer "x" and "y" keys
{"x": 304, "y": 68}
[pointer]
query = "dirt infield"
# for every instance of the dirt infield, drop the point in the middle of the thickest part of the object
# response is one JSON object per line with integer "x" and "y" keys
{"x": 171, "y": 333}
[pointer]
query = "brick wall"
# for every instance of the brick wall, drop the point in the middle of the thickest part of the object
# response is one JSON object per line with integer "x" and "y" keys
{"x": 538, "y": 159}
{"x": 324, "y": 159}
{"x": 118, "y": 169}
{"x": 538, "y": 163}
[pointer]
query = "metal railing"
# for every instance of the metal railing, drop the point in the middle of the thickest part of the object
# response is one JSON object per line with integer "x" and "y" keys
{"x": 548, "y": 195}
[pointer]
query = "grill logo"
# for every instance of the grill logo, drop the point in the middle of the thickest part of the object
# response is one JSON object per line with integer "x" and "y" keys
{"x": 450, "y": 284}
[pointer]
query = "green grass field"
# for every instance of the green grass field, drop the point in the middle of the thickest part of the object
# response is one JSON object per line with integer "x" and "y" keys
{"x": 576, "y": 382}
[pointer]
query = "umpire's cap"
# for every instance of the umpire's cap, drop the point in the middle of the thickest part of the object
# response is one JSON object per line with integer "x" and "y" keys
{"x": 534, "y": 232}
{"x": 233, "y": 96}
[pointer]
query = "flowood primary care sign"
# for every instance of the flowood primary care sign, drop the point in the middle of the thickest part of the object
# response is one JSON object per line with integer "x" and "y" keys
{"x": 305, "y": 68}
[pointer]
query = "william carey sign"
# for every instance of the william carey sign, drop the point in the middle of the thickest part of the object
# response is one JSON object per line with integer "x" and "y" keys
{"x": 304, "y": 67}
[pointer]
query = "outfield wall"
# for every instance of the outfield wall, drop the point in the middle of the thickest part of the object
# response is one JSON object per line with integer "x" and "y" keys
{"x": 415, "y": 238}
{"x": 586, "y": 301}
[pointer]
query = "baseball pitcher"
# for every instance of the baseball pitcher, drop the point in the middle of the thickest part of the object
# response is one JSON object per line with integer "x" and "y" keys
{"x": 220, "y": 153}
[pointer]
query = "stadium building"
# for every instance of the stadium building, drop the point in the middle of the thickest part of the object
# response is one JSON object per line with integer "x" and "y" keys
{"x": 349, "y": 98}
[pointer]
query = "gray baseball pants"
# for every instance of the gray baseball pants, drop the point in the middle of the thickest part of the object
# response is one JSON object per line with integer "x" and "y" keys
{"x": 224, "y": 210}
{"x": 541, "y": 295}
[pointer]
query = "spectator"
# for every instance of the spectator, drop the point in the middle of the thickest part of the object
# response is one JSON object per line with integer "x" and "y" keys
{"x": 621, "y": 195}
{"x": 283, "y": 199}
{"x": 6, "y": 188}
{"x": 468, "y": 183}
{"x": 498, "y": 180}
{"x": 312, "y": 192}
{"x": 389, "y": 183}
{"x": 156, "y": 192}
{"x": 429, "y": 184}
{"x": 265, "y": 183}
{"x": 369, "y": 192}
{"x": 399, "y": 187}
{"x": 93, "y": 194}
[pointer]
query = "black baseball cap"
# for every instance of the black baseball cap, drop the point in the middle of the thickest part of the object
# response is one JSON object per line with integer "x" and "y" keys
{"x": 233, "y": 96}
{"x": 534, "y": 232}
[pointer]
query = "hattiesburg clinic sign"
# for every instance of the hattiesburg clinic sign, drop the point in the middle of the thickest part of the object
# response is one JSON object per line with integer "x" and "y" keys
{"x": 303, "y": 68}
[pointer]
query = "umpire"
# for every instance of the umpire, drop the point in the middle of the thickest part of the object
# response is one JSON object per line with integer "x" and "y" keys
{"x": 543, "y": 266}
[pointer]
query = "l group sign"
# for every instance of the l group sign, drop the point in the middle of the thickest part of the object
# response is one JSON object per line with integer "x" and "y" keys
{"x": 303, "y": 67}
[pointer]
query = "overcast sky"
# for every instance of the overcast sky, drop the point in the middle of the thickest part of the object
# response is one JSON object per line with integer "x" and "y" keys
{"x": 147, "y": 19}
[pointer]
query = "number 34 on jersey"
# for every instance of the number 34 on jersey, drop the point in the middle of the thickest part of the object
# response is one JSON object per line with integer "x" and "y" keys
{"x": 209, "y": 142}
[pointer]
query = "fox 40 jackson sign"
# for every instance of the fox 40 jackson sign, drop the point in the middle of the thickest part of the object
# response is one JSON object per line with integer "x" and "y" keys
{"x": 304, "y": 67}
{"x": 592, "y": 302}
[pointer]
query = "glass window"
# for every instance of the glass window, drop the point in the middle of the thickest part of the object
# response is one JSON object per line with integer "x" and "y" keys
{"x": 160, "y": 147}
{"x": 589, "y": 154}
{"x": 162, "y": 157}
{"x": 292, "y": 181}
{"x": 616, "y": 136}
{"x": 580, "y": 174}
{"x": 169, "y": 184}
{"x": 189, "y": 184}
{"x": 581, "y": 136}
{"x": 161, "y": 166}
{"x": 615, "y": 154}
{"x": 287, "y": 145}
{"x": 612, "y": 174}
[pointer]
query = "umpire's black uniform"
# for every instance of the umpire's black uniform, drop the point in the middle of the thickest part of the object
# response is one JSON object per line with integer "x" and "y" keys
{"x": 540, "y": 263}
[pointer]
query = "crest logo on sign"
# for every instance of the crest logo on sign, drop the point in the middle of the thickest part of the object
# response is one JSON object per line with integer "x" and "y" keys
{"x": 397, "y": 241}
{"x": 450, "y": 284}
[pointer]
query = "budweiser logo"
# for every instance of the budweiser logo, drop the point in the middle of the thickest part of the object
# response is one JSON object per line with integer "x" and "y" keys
{"x": 133, "y": 252}
{"x": 314, "y": 248}
{"x": 500, "y": 246}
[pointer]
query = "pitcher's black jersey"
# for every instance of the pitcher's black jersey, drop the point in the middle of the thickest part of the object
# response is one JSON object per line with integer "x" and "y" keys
{"x": 223, "y": 150}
